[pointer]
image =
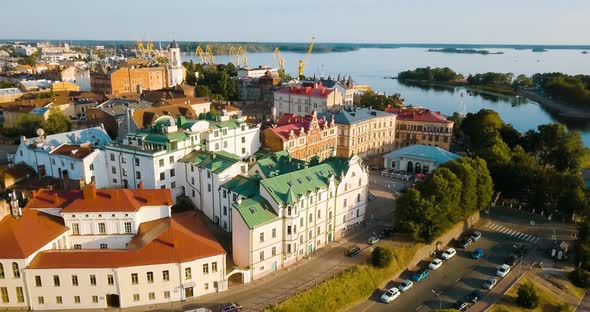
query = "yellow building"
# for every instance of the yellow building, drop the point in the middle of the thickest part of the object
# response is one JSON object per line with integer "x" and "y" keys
{"x": 416, "y": 125}
{"x": 64, "y": 86}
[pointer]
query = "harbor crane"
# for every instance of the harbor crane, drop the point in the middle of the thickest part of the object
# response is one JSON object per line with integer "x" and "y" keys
{"x": 280, "y": 60}
{"x": 242, "y": 54}
{"x": 303, "y": 62}
{"x": 201, "y": 55}
{"x": 209, "y": 54}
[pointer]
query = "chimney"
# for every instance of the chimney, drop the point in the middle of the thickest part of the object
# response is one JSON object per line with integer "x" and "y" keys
{"x": 55, "y": 198}
{"x": 89, "y": 191}
{"x": 140, "y": 185}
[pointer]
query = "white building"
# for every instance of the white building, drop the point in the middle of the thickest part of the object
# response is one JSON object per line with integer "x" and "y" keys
{"x": 94, "y": 249}
{"x": 302, "y": 100}
{"x": 284, "y": 217}
{"x": 176, "y": 71}
{"x": 75, "y": 155}
{"x": 22, "y": 50}
{"x": 247, "y": 72}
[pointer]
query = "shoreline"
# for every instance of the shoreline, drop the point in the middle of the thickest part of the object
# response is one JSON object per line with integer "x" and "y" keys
{"x": 562, "y": 109}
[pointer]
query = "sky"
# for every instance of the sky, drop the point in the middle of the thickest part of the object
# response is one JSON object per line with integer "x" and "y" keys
{"x": 368, "y": 21}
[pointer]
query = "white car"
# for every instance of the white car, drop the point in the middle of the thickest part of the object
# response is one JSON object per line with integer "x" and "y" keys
{"x": 503, "y": 270}
{"x": 405, "y": 285}
{"x": 435, "y": 264}
{"x": 448, "y": 254}
{"x": 390, "y": 295}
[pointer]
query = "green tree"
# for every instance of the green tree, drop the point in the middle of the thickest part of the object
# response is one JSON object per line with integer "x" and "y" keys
{"x": 468, "y": 176}
{"x": 28, "y": 124}
{"x": 485, "y": 185}
{"x": 57, "y": 122}
{"x": 555, "y": 146}
{"x": 379, "y": 101}
{"x": 522, "y": 81}
{"x": 381, "y": 257}
{"x": 29, "y": 60}
{"x": 203, "y": 91}
{"x": 527, "y": 296}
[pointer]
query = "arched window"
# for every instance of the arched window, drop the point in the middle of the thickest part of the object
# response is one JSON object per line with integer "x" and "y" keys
{"x": 15, "y": 270}
{"x": 1, "y": 271}
{"x": 358, "y": 198}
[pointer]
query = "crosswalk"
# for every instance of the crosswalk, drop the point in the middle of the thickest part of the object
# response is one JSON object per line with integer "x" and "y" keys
{"x": 513, "y": 233}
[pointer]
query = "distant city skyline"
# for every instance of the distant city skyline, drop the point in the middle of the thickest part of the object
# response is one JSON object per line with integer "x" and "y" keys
{"x": 371, "y": 21}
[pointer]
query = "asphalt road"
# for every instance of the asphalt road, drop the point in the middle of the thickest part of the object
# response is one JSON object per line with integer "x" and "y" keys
{"x": 455, "y": 279}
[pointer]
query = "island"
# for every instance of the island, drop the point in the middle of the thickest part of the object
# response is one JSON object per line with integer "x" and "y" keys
{"x": 539, "y": 50}
{"x": 463, "y": 51}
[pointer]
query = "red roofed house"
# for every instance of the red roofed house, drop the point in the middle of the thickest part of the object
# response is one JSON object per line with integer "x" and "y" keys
{"x": 305, "y": 99}
{"x": 93, "y": 249}
{"x": 303, "y": 137}
{"x": 417, "y": 125}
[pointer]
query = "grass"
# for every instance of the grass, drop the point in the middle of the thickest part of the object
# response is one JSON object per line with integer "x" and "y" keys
{"x": 567, "y": 286}
{"x": 548, "y": 301}
{"x": 347, "y": 288}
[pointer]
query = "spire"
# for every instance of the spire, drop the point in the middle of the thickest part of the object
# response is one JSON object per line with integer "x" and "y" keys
{"x": 174, "y": 45}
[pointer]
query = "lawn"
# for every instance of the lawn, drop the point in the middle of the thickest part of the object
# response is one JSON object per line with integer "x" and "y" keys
{"x": 567, "y": 286}
{"x": 548, "y": 301}
{"x": 347, "y": 288}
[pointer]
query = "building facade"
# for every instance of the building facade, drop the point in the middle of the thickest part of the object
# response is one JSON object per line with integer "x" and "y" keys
{"x": 416, "y": 125}
{"x": 363, "y": 131}
{"x": 418, "y": 158}
{"x": 302, "y": 100}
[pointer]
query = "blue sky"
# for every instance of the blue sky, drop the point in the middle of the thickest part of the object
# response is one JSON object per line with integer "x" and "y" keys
{"x": 390, "y": 21}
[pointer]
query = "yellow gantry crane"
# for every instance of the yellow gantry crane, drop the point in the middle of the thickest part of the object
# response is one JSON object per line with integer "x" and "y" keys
{"x": 280, "y": 60}
{"x": 140, "y": 48}
{"x": 303, "y": 62}
{"x": 234, "y": 53}
{"x": 209, "y": 54}
{"x": 201, "y": 55}
{"x": 239, "y": 55}
{"x": 242, "y": 55}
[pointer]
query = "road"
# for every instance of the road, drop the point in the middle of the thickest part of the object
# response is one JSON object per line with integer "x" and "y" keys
{"x": 455, "y": 279}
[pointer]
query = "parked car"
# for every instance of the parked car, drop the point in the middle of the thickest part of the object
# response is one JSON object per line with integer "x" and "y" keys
{"x": 448, "y": 254}
{"x": 503, "y": 270}
{"x": 511, "y": 260}
{"x": 373, "y": 240}
{"x": 474, "y": 296}
{"x": 461, "y": 305}
{"x": 390, "y": 295}
{"x": 521, "y": 250}
{"x": 477, "y": 254}
{"x": 466, "y": 242}
{"x": 232, "y": 307}
{"x": 405, "y": 285}
{"x": 420, "y": 275}
{"x": 475, "y": 236}
{"x": 490, "y": 283}
{"x": 353, "y": 251}
{"x": 435, "y": 264}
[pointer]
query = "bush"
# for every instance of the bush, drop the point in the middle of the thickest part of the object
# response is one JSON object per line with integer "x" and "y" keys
{"x": 527, "y": 296}
{"x": 381, "y": 257}
{"x": 580, "y": 278}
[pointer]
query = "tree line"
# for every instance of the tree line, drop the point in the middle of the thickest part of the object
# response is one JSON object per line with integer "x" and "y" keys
{"x": 452, "y": 193}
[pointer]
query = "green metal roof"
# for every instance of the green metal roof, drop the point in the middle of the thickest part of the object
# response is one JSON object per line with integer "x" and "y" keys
{"x": 245, "y": 186}
{"x": 230, "y": 124}
{"x": 288, "y": 188}
{"x": 216, "y": 162}
{"x": 275, "y": 164}
{"x": 255, "y": 211}
{"x": 151, "y": 136}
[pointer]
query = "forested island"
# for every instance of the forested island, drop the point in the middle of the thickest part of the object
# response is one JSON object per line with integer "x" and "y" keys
{"x": 463, "y": 51}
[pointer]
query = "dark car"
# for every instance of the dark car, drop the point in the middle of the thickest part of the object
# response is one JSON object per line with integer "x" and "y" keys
{"x": 420, "y": 275}
{"x": 353, "y": 251}
{"x": 461, "y": 305}
{"x": 521, "y": 250}
{"x": 474, "y": 296}
{"x": 466, "y": 242}
{"x": 511, "y": 260}
{"x": 233, "y": 307}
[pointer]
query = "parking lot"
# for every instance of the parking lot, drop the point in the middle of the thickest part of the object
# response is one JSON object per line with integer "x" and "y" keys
{"x": 456, "y": 278}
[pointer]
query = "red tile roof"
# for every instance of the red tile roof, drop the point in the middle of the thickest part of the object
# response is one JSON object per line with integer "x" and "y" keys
{"x": 20, "y": 238}
{"x": 74, "y": 151}
{"x": 107, "y": 200}
{"x": 182, "y": 238}
{"x": 417, "y": 114}
{"x": 319, "y": 91}
{"x": 290, "y": 121}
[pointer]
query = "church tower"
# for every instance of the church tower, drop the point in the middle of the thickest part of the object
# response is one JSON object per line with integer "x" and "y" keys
{"x": 176, "y": 71}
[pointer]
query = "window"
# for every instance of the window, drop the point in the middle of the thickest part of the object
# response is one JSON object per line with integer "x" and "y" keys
{"x": 127, "y": 227}
{"x": 40, "y": 300}
{"x": 75, "y": 228}
{"x": 243, "y": 150}
{"x": 4, "y": 293}
{"x": 56, "y": 281}
{"x": 102, "y": 228}
{"x": 261, "y": 255}
{"x": 167, "y": 294}
{"x": 172, "y": 185}
{"x": 288, "y": 229}
{"x": 137, "y": 175}
{"x": 214, "y": 267}
{"x": 224, "y": 210}
{"x": 134, "y": 279}
{"x": 38, "y": 282}
{"x": 288, "y": 248}
{"x": 91, "y": 167}
{"x": 172, "y": 172}
{"x": 15, "y": 270}
{"x": 123, "y": 159}
{"x": 274, "y": 251}
{"x": 162, "y": 176}
{"x": 161, "y": 162}
{"x": 187, "y": 273}
{"x": 193, "y": 180}
{"x": 152, "y": 296}
{"x": 206, "y": 268}
{"x": 114, "y": 170}
{"x": 74, "y": 280}
{"x": 93, "y": 280}
{"x": 150, "y": 277}
{"x": 274, "y": 233}
{"x": 77, "y": 246}
{"x": 166, "y": 275}
{"x": 76, "y": 299}
{"x": 1, "y": 271}
{"x": 319, "y": 214}
{"x": 208, "y": 187}
{"x": 310, "y": 218}
{"x": 124, "y": 172}
{"x": 262, "y": 237}
{"x": 135, "y": 297}
{"x": 345, "y": 205}
{"x": 112, "y": 157}
{"x": 94, "y": 299}
{"x": 110, "y": 279}
{"x": 171, "y": 159}
{"x": 243, "y": 139}
{"x": 137, "y": 161}
{"x": 358, "y": 198}
{"x": 20, "y": 297}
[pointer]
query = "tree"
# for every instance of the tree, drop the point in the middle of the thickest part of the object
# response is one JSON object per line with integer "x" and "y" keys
{"x": 527, "y": 296}
{"x": 28, "y": 124}
{"x": 379, "y": 101}
{"x": 29, "y": 60}
{"x": 381, "y": 257}
{"x": 203, "y": 91}
{"x": 522, "y": 81}
{"x": 57, "y": 122}
{"x": 468, "y": 177}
